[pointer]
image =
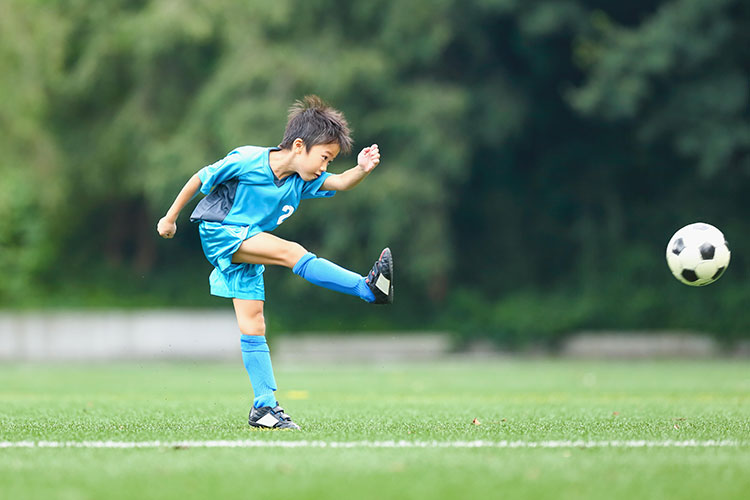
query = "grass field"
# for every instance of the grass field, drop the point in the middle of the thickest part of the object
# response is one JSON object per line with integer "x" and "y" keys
{"x": 548, "y": 429}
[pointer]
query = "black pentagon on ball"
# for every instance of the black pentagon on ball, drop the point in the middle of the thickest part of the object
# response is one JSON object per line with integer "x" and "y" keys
{"x": 707, "y": 251}
{"x": 689, "y": 275}
{"x": 678, "y": 246}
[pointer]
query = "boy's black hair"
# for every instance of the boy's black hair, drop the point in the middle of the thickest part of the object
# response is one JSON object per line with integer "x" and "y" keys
{"x": 315, "y": 122}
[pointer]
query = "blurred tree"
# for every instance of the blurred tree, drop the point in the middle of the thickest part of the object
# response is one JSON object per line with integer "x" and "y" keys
{"x": 32, "y": 187}
{"x": 617, "y": 151}
{"x": 678, "y": 76}
{"x": 536, "y": 154}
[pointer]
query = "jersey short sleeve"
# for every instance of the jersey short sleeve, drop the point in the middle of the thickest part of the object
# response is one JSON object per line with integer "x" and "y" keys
{"x": 313, "y": 189}
{"x": 227, "y": 168}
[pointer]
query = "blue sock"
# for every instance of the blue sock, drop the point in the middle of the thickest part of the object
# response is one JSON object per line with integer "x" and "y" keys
{"x": 325, "y": 273}
{"x": 257, "y": 359}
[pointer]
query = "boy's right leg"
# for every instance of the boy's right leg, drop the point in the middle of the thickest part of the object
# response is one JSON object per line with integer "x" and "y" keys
{"x": 256, "y": 357}
{"x": 267, "y": 249}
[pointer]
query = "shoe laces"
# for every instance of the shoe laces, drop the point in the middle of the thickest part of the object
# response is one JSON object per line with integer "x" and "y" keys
{"x": 279, "y": 412}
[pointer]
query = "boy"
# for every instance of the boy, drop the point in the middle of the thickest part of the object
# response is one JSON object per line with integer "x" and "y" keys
{"x": 249, "y": 193}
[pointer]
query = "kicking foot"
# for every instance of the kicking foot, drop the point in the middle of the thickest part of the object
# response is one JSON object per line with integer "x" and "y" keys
{"x": 271, "y": 418}
{"x": 380, "y": 279}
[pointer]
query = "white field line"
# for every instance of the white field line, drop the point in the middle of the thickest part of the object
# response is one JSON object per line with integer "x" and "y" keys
{"x": 374, "y": 444}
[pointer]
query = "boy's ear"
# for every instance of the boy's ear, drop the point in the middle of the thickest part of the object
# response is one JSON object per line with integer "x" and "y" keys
{"x": 298, "y": 145}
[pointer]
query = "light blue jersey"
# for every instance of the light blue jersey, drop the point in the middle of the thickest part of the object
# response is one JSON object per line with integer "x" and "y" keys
{"x": 244, "y": 198}
{"x": 243, "y": 191}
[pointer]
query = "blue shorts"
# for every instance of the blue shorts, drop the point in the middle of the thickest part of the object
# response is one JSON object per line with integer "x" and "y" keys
{"x": 242, "y": 281}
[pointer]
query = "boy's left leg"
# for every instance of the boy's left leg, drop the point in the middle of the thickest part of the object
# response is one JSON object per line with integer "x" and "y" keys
{"x": 265, "y": 248}
{"x": 256, "y": 357}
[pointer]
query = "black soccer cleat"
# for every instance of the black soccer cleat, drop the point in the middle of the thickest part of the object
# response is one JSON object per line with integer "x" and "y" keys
{"x": 271, "y": 418}
{"x": 380, "y": 279}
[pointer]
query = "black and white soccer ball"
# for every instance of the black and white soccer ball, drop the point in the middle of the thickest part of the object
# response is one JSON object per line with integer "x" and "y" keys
{"x": 698, "y": 254}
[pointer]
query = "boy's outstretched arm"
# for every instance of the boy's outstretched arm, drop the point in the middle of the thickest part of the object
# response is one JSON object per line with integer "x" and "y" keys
{"x": 167, "y": 225}
{"x": 367, "y": 160}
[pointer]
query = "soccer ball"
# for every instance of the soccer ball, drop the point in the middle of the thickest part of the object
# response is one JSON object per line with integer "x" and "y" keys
{"x": 698, "y": 254}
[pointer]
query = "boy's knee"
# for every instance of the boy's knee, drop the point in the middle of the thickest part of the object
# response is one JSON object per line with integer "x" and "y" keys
{"x": 293, "y": 253}
{"x": 252, "y": 324}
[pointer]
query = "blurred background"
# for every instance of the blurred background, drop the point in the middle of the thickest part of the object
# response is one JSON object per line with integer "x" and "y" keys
{"x": 537, "y": 157}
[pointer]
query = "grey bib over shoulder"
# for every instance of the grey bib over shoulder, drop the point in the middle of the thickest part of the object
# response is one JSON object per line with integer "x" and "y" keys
{"x": 216, "y": 206}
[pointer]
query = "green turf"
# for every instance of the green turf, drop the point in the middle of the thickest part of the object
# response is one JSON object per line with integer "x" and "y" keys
{"x": 530, "y": 401}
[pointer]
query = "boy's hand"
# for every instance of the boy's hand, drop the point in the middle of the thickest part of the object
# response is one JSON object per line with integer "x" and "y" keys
{"x": 166, "y": 227}
{"x": 369, "y": 158}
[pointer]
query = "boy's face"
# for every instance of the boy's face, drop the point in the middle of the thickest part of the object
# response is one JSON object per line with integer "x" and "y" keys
{"x": 311, "y": 164}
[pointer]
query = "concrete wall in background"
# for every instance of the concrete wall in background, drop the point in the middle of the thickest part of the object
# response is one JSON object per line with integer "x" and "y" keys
{"x": 118, "y": 335}
{"x": 209, "y": 335}
{"x": 213, "y": 335}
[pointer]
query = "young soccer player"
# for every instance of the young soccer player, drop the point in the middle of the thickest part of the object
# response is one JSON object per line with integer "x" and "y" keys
{"x": 252, "y": 191}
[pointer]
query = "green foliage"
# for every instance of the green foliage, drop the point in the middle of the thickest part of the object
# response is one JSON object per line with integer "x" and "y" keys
{"x": 536, "y": 155}
{"x": 32, "y": 187}
{"x": 679, "y": 75}
{"x": 524, "y": 320}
